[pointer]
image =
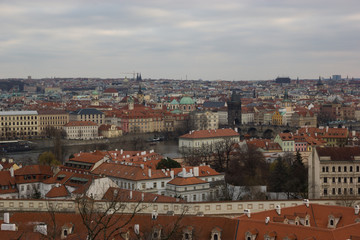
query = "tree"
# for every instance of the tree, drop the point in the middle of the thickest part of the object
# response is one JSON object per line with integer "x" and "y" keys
{"x": 298, "y": 182}
{"x": 288, "y": 174}
{"x": 48, "y": 158}
{"x": 166, "y": 163}
{"x": 278, "y": 173}
{"x": 222, "y": 156}
{"x": 251, "y": 163}
{"x": 104, "y": 221}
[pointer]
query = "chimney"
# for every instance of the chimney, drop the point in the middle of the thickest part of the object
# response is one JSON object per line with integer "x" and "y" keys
{"x": 12, "y": 172}
{"x": 172, "y": 174}
{"x": 183, "y": 172}
{"x": 278, "y": 209}
{"x": 353, "y": 133}
{"x": 6, "y": 217}
{"x": 196, "y": 171}
{"x": 149, "y": 172}
{"x": 121, "y": 151}
{"x": 142, "y": 166}
{"x": 191, "y": 171}
{"x": 130, "y": 195}
{"x": 7, "y": 226}
{"x": 247, "y": 212}
{"x": 267, "y": 220}
{"x": 137, "y": 229}
{"x": 357, "y": 209}
{"x": 327, "y": 128}
{"x": 142, "y": 196}
{"x": 306, "y": 202}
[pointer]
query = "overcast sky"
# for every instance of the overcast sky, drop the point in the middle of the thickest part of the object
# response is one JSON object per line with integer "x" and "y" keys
{"x": 209, "y": 39}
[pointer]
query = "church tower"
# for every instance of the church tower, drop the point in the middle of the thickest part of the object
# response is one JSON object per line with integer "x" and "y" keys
{"x": 234, "y": 110}
{"x": 140, "y": 95}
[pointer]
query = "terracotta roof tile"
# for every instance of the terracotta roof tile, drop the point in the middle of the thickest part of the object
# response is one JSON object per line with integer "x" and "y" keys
{"x": 211, "y": 134}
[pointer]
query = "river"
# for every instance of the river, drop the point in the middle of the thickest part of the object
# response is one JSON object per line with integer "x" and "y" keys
{"x": 166, "y": 148}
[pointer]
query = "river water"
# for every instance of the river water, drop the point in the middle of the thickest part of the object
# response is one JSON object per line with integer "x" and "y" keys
{"x": 166, "y": 148}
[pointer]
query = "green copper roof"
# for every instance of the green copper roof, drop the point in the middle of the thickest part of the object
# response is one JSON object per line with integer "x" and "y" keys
{"x": 174, "y": 102}
{"x": 186, "y": 100}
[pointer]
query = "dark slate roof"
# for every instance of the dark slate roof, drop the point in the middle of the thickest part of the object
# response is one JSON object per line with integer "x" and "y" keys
{"x": 87, "y": 111}
{"x": 209, "y": 104}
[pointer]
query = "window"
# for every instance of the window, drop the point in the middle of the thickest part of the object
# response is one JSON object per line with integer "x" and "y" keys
{"x": 351, "y": 169}
{"x": 339, "y": 190}
{"x": 154, "y": 184}
{"x": 345, "y": 179}
{"x": 345, "y": 169}
{"x": 333, "y": 191}
{"x": 194, "y": 197}
{"x": 327, "y": 169}
{"x": 339, "y": 179}
{"x": 339, "y": 169}
{"x": 351, "y": 180}
{"x": 162, "y": 184}
{"x": 333, "y": 179}
{"x": 325, "y": 179}
{"x": 325, "y": 191}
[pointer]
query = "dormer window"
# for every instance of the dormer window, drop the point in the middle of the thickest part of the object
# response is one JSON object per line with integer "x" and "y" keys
{"x": 331, "y": 223}
{"x": 216, "y": 233}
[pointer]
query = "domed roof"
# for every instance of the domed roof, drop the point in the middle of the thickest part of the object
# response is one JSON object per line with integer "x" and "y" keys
{"x": 186, "y": 100}
{"x": 95, "y": 92}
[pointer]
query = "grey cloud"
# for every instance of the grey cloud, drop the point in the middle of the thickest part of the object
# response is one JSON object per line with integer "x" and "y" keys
{"x": 205, "y": 39}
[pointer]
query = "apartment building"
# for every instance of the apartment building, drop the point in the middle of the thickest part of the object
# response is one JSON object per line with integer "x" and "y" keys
{"x": 19, "y": 124}
{"x": 204, "y": 120}
{"x": 334, "y": 172}
{"x": 201, "y": 138}
{"x": 52, "y": 119}
{"x": 88, "y": 114}
{"x": 81, "y": 130}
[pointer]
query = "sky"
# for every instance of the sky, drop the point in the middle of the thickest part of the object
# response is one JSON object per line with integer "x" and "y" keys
{"x": 180, "y": 39}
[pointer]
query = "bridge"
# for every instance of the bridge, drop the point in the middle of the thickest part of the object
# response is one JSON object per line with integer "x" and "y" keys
{"x": 264, "y": 131}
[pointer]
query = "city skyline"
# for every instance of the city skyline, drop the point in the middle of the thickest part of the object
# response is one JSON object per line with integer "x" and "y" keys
{"x": 228, "y": 40}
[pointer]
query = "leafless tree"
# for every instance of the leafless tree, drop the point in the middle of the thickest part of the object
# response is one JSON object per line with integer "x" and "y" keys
{"x": 104, "y": 219}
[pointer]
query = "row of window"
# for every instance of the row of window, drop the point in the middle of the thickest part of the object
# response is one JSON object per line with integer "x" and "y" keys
{"x": 340, "y": 191}
{"x": 18, "y": 118}
{"x": 17, "y": 123}
{"x": 344, "y": 179}
{"x": 53, "y": 118}
{"x": 340, "y": 169}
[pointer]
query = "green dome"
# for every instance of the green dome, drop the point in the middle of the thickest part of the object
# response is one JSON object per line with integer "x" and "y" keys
{"x": 95, "y": 92}
{"x": 186, "y": 100}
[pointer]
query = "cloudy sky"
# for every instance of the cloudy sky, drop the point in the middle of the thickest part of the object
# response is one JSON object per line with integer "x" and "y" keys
{"x": 207, "y": 39}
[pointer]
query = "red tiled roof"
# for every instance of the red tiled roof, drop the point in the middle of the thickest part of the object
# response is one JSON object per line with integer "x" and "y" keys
{"x": 211, "y": 134}
{"x": 339, "y": 153}
{"x": 34, "y": 170}
{"x": 180, "y": 181}
{"x": 56, "y": 192}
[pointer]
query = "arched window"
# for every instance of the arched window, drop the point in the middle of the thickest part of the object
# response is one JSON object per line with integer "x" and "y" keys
{"x": 216, "y": 236}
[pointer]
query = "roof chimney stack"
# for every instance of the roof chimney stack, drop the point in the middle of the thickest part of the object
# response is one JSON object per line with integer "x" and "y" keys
{"x": 278, "y": 209}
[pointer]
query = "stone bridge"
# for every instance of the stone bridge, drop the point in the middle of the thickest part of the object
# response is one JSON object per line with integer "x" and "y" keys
{"x": 264, "y": 131}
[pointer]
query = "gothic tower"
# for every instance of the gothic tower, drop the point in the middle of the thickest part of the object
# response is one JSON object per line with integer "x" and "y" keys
{"x": 234, "y": 110}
